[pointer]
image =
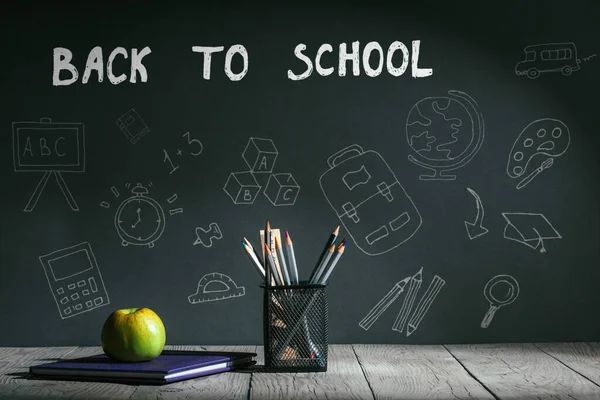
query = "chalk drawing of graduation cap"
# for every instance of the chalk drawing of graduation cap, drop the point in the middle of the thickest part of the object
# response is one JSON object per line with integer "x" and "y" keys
{"x": 530, "y": 229}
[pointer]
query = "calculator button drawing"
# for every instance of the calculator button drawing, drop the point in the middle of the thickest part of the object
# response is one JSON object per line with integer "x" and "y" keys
{"x": 85, "y": 292}
{"x": 67, "y": 310}
{"x": 60, "y": 290}
{"x": 74, "y": 296}
{"x": 71, "y": 286}
{"x": 78, "y": 306}
{"x": 81, "y": 283}
{"x": 64, "y": 300}
{"x": 89, "y": 303}
{"x": 98, "y": 301}
{"x": 93, "y": 285}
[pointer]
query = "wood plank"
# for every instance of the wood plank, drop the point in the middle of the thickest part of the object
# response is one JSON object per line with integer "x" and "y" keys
{"x": 516, "y": 371}
{"x": 43, "y": 388}
{"x": 344, "y": 379}
{"x": 416, "y": 372}
{"x": 15, "y": 361}
{"x": 230, "y": 385}
{"x": 581, "y": 357}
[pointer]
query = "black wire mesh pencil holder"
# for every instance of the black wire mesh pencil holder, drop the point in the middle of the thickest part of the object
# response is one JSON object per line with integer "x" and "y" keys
{"x": 296, "y": 328}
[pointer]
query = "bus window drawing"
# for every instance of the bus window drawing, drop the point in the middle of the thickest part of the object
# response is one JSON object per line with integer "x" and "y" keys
{"x": 52, "y": 148}
{"x": 75, "y": 280}
{"x": 550, "y": 57}
{"x": 369, "y": 200}
{"x": 139, "y": 219}
{"x": 444, "y": 133}
{"x": 535, "y": 149}
{"x": 214, "y": 287}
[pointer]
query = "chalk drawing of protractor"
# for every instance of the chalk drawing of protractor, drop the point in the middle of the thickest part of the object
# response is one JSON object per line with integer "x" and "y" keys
{"x": 214, "y": 287}
{"x": 369, "y": 200}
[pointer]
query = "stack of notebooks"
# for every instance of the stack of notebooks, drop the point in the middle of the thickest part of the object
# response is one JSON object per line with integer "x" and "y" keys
{"x": 170, "y": 366}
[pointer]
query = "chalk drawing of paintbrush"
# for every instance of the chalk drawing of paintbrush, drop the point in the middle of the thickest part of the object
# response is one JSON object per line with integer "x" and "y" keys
{"x": 545, "y": 165}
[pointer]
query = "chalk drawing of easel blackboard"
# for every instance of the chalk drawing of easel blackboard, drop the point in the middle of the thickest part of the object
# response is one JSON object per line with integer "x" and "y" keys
{"x": 52, "y": 148}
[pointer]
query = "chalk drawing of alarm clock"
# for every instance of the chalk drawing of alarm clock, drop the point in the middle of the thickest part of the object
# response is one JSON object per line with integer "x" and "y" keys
{"x": 139, "y": 220}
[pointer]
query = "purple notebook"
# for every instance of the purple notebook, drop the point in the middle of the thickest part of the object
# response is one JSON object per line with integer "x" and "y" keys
{"x": 170, "y": 366}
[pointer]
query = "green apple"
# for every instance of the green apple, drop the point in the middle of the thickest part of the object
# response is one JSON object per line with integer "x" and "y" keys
{"x": 133, "y": 334}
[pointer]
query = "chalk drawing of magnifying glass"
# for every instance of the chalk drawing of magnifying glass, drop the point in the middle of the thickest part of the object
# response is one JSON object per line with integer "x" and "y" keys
{"x": 503, "y": 282}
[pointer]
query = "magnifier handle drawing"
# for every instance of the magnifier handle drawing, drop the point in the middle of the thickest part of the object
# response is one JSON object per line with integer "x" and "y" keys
{"x": 489, "y": 316}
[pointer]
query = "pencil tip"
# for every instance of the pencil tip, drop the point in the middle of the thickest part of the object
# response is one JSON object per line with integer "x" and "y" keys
{"x": 268, "y": 225}
{"x": 287, "y": 234}
{"x": 336, "y": 230}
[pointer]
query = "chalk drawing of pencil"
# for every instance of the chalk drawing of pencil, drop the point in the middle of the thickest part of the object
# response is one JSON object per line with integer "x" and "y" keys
{"x": 432, "y": 291}
{"x": 383, "y": 304}
{"x": 407, "y": 304}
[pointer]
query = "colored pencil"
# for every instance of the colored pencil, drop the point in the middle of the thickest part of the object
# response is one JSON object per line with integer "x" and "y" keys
{"x": 328, "y": 269}
{"x": 283, "y": 264}
{"x": 330, "y": 241}
{"x": 267, "y": 243}
{"x": 260, "y": 261}
{"x": 289, "y": 247}
{"x": 271, "y": 262}
{"x": 254, "y": 260}
{"x": 321, "y": 268}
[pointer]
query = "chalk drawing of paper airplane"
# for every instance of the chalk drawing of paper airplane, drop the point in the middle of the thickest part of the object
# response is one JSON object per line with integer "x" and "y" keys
{"x": 216, "y": 286}
{"x": 530, "y": 229}
{"x": 369, "y": 200}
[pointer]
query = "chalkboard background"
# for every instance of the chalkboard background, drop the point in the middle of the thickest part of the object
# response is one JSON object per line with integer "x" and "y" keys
{"x": 472, "y": 47}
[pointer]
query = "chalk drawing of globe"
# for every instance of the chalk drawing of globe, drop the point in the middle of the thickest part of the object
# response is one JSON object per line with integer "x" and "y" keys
{"x": 444, "y": 133}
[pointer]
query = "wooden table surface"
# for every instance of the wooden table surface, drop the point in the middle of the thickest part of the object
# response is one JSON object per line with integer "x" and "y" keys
{"x": 486, "y": 371}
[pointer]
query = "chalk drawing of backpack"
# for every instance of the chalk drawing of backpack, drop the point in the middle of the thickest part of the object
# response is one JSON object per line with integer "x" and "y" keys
{"x": 369, "y": 201}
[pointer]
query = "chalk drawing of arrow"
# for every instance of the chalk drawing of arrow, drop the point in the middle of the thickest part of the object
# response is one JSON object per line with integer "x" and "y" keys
{"x": 476, "y": 229}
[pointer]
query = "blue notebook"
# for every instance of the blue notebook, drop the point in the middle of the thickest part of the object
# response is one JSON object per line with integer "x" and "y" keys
{"x": 170, "y": 366}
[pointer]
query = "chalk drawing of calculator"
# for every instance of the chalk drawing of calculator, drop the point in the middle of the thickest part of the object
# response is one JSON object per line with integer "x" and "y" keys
{"x": 75, "y": 280}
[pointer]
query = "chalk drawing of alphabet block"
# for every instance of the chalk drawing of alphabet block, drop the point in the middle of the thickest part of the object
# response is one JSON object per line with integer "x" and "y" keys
{"x": 242, "y": 187}
{"x": 260, "y": 155}
{"x": 282, "y": 189}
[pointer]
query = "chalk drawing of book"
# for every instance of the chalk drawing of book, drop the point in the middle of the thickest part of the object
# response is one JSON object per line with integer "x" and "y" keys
{"x": 529, "y": 229}
{"x": 369, "y": 201}
{"x": 52, "y": 148}
{"x": 132, "y": 126}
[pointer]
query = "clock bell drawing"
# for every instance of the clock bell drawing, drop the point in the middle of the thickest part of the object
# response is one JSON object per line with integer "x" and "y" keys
{"x": 140, "y": 219}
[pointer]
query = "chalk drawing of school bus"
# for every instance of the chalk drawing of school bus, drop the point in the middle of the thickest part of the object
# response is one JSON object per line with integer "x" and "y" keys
{"x": 550, "y": 57}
